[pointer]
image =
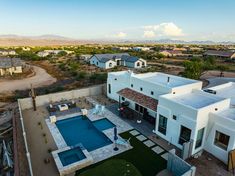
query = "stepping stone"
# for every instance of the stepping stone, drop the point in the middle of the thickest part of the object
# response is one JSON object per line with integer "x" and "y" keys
{"x": 149, "y": 143}
{"x": 141, "y": 137}
{"x": 157, "y": 149}
{"x": 134, "y": 132}
{"x": 165, "y": 156}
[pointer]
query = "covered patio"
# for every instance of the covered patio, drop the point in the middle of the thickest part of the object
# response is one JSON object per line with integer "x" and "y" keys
{"x": 133, "y": 104}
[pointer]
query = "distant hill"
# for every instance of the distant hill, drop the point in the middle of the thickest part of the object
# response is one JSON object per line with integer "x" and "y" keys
{"x": 53, "y": 40}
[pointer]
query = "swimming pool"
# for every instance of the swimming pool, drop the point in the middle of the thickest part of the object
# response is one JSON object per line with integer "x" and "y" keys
{"x": 103, "y": 124}
{"x": 71, "y": 156}
{"x": 80, "y": 129}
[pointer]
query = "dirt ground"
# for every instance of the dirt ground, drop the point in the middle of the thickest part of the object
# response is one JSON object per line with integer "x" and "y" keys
{"x": 41, "y": 78}
{"x": 208, "y": 165}
{"x": 214, "y": 73}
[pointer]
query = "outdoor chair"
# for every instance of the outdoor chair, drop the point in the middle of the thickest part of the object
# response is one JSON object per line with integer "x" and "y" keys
{"x": 123, "y": 142}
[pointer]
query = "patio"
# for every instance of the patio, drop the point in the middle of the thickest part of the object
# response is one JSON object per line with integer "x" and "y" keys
{"x": 144, "y": 127}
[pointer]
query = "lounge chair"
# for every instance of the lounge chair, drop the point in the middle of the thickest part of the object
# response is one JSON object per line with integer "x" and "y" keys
{"x": 96, "y": 109}
{"x": 101, "y": 112}
{"x": 123, "y": 142}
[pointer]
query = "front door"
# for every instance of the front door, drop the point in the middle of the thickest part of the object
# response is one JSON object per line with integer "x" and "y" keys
{"x": 185, "y": 134}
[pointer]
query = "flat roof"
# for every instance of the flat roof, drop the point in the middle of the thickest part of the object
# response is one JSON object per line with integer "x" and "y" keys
{"x": 196, "y": 99}
{"x": 162, "y": 79}
{"x": 225, "y": 90}
{"x": 228, "y": 113}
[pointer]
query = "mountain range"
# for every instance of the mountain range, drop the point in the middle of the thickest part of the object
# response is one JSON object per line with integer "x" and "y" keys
{"x": 49, "y": 40}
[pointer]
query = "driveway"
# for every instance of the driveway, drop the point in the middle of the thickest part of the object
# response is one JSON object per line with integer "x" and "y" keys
{"x": 41, "y": 78}
{"x": 214, "y": 79}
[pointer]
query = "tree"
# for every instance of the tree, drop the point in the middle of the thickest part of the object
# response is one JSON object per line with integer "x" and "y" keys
{"x": 193, "y": 69}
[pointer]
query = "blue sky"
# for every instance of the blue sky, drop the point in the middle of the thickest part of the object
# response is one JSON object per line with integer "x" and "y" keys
{"x": 120, "y": 19}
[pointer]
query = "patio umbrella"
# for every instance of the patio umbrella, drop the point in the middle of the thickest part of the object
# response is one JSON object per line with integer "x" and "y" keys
{"x": 115, "y": 138}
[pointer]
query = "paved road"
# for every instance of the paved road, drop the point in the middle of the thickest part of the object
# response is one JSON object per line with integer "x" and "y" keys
{"x": 218, "y": 80}
{"x": 41, "y": 78}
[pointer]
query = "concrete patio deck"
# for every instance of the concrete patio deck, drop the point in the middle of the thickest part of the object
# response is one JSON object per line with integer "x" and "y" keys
{"x": 145, "y": 128}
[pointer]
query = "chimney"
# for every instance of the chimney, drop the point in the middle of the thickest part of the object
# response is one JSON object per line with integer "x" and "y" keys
{"x": 168, "y": 79}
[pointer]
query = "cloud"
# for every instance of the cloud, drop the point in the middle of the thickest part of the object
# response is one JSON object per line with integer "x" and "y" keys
{"x": 165, "y": 29}
{"x": 120, "y": 35}
{"x": 149, "y": 34}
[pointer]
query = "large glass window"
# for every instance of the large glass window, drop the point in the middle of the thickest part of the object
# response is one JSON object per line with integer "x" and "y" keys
{"x": 221, "y": 140}
{"x": 162, "y": 124}
{"x": 185, "y": 135}
{"x": 200, "y": 134}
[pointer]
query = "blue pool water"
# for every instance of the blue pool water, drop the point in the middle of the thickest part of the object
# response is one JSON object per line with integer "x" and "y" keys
{"x": 71, "y": 156}
{"x": 80, "y": 129}
{"x": 103, "y": 124}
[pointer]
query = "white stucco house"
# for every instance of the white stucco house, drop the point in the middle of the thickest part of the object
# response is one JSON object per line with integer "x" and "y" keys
{"x": 10, "y": 66}
{"x": 107, "y": 61}
{"x": 182, "y": 112}
{"x": 7, "y": 52}
{"x": 52, "y": 52}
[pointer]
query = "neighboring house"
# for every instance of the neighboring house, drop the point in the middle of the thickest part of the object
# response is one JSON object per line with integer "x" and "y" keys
{"x": 170, "y": 53}
{"x": 141, "y": 48}
{"x": 85, "y": 57}
{"x": 184, "y": 115}
{"x": 221, "y": 54}
{"x": 180, "y": 49}
{"x": 133, "y": 62}
{"x": 7, "y": 52}
{"x": 107, "y": 61}
{"x": 51, "y": 52}
{"x": 10, "y": 66}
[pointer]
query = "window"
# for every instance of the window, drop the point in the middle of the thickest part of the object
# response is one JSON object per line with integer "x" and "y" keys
{"x": 138, "y": 64}
{"x": 123, "y": 99}
{"x": 152, "y": 93}
{"x": 109, "y": 88}
{"x": 115, "y": 79}
{"x": 141, "y": 89}
{"x": 200, "y": 134}
{"x": 136, "y": 107}
{"x": 131, "y": 85}
{"x": 174, "y": 117}
{"x": 221, "y": 140}
{"x": 162, "y": 124}
{"x": 110, "y": 64}
{"x": 139, "y": 108}
{"x": 185, "y": 135}
{"x": 97, "y": 63}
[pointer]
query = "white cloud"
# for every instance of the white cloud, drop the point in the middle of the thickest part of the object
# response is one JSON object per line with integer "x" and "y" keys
{"x": 120, "y": 35}
{"x": 149, "y": 34}
{"x": 165, "y": 29}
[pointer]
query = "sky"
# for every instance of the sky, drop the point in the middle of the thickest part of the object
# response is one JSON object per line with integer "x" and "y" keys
{"x": 120, "y": 19}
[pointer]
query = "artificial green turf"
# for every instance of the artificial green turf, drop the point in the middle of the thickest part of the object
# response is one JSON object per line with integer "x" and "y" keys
{"x": 142, "y": 157}
{"x": 113, "y": 167}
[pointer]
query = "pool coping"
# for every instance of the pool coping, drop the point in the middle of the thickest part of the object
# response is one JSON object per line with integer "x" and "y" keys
{"x": 73, "y": 167}
{"x": 99, "y": 154}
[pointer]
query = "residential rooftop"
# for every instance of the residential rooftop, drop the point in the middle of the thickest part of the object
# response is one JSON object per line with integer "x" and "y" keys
{"x": 228, "y": 113}
{"x": 226, "y": 90}
{"x": 197, "y": 99}
{"x": 219, "y": 53}
{"x": 162, "y": 79}
{"x": 10, "y": 62}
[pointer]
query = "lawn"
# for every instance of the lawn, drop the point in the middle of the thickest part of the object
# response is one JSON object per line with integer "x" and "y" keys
{"x": 114, "y": 167}
{"x": 141, "y": 157}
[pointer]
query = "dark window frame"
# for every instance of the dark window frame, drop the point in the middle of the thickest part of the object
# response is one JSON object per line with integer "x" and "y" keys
{"x": 162, "y": 124}
{"x": 221, "y": 140}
